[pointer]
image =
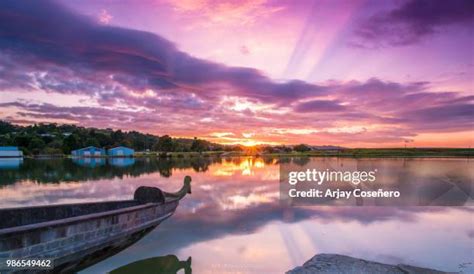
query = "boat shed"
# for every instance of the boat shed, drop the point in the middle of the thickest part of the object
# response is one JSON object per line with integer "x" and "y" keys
{"x": 10, "y": 152}
{"x": 120, "y": 152}
{"x": 89, "y": 152}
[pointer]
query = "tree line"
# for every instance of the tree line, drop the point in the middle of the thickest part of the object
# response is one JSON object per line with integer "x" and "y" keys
{"x": 62, "y": 139}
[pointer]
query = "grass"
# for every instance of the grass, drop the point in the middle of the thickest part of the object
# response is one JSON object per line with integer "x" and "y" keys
{"x": 385, "y": 152}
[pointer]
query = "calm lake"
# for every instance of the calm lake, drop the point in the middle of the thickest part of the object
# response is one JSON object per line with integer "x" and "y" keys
{"x": 233, "y": 222}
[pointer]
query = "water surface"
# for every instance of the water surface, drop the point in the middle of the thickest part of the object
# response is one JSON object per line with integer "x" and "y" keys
{"x": 233, "y": 222}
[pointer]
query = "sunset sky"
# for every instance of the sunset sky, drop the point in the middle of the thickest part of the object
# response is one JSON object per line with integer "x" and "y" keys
{"x": 350, "y": 73}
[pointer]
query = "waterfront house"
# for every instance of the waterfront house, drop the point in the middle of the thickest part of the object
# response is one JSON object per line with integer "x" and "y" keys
{"x": 120, "y": 152}
{"x": 10, "y": 152}
{"x": 89, "y": 152}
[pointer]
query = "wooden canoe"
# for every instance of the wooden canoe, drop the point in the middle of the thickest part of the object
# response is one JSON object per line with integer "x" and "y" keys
{"x": 74, "y": 236}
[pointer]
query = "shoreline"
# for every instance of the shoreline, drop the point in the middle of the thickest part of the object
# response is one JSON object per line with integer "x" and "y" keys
{"x": 344, "y": 153}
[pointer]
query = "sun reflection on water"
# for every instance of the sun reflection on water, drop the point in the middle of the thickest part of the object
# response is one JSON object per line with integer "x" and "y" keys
{"x": 234, "y": 213}
{"x": 245, "y": 166}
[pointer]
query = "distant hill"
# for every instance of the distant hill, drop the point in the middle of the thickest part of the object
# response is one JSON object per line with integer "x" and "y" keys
{"x": 62, "y": 139}
{"x": 327, "y": 147}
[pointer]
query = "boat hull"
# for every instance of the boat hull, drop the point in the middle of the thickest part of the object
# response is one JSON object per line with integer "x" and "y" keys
{"x": 77, "y": 242}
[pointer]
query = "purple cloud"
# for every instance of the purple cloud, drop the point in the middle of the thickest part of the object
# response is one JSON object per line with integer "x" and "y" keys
{"x": 443, "y": 117}
{"x": 50, "y": 35}
{"x": 319, "y": 106}
{"x": 414, "y": 20}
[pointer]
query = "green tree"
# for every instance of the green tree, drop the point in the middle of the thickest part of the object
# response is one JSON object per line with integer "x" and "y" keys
{"x": 36, "y": 145}
{"x": 165, "y": 143}
{"x": 301, "y": 148}
{"x": 118, "y": 137}
{"x": 22, "y": 140}
{"x": 57, "y": 144}
{"x": 198, "y": 145}
{"x": 6, "y": 140}
{"x": 70, "y": 137}
{"x": 103, "y": 139}
{"x": 91, "y": 141}
{"x": 6, "y": 127}
{"x": 52, "y": 151}
{"x": 70, "y": 143}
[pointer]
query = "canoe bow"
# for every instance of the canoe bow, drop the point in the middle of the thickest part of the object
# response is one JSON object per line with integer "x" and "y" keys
{"x": 185, "y": 189}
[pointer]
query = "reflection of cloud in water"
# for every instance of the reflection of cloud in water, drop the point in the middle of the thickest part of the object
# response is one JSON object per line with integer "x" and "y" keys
{"x": 347, "y": 230}
{"x": 242, "y": 211}
{"x": 240, "y": 201}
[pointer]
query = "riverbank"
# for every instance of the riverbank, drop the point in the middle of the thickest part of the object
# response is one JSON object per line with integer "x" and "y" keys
{"x": 350, "y": 153}
{"x": 384, "y": 153}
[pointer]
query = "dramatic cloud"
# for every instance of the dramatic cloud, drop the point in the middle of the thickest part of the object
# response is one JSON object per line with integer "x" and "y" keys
{"x": 414, "y": 20}
{"x": 319, "y": 106}
{"x": 133, "y": 79}
{"x": 140, "y": 59}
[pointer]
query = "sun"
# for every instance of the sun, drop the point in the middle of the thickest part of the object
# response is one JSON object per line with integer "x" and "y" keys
{"x": 249, "y": 143}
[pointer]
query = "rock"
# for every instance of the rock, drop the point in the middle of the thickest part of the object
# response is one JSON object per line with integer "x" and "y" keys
{"x": 146, "y": 194}
{"x": 333, "y": 263}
